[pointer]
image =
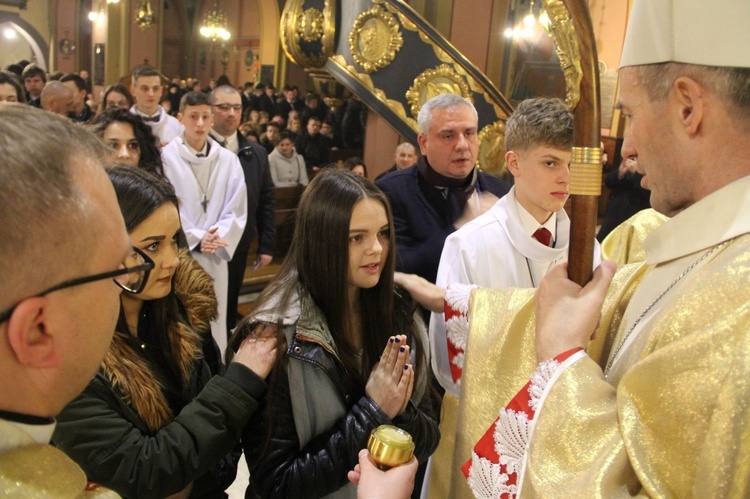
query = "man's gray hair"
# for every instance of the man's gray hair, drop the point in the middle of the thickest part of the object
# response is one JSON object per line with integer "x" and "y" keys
{"x": 42, "y": 210}
{"x": 732, "y": 85}
{"x": 442, "y": 101}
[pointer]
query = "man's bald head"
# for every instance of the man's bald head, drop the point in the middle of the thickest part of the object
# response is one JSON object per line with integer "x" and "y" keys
{"x": 57, "y": 98}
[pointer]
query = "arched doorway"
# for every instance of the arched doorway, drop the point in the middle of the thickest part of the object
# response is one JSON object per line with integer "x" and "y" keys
{"x": 21, "y": 41}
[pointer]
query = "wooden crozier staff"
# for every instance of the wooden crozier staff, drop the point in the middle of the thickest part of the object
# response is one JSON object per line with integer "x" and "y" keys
{"x": 576, "y": 48}
{"x": 500, "y": 356}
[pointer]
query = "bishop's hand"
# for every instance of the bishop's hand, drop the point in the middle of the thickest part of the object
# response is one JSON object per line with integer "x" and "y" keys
{"x": 567, "y": 314}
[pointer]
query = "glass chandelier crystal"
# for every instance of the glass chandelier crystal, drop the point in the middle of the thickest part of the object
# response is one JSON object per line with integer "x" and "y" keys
{"x": 214, "y": 25}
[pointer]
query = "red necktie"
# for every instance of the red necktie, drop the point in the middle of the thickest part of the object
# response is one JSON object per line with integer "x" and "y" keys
{"x": 543, "y": 236}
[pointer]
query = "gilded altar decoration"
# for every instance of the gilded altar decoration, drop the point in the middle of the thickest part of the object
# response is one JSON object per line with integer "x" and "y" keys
{"x": 568, "y": 51}
{"x": 311, "y": 25}
{"x": 307, "y": 35}
{"x": 492, "y": 149}
{"x": 374, "y": 39}
{"x": 433, "y": 82}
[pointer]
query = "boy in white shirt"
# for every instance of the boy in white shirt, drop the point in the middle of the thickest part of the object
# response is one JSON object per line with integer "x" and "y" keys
{"x": 210, "y": 184}
{"x": 147, "y": 89}
{"x": 516, "y": 241}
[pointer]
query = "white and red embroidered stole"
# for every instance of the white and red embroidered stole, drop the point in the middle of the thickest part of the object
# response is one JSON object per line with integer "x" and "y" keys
{"x": 498, "y": 458}
{"x": 456, "y": 308}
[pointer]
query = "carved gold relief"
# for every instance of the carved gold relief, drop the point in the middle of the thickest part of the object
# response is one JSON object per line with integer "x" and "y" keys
{"x": 311, "y": 25}
{"x": 568, "y": 52}
{"x": 299, "y": 25}
{"x": 433, "y": 82}
{"x": 374, "y": 39}
{"x": 492, "y": 148}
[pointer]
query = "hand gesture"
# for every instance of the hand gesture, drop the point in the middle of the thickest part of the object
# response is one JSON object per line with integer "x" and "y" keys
{"x": 567, "y": 314}
{"x": 258, "y": 351}
{"x": 372, "y": 483}
{"x": 212, "y": 242}
{"x": 392, "y": 379}
{"x": 478, "y": 203}
{"x": 428, "y": 295}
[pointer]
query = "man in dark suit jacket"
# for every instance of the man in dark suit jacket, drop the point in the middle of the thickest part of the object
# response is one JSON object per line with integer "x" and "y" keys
{"x": 227, "y": 108}
{"x": 430, "y": 197}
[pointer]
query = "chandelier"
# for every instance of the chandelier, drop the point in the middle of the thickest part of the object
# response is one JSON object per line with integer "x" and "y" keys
{"x": 526, "y": 28}
{"x": 214, "y": 25}
{"x": 144, "y": 15}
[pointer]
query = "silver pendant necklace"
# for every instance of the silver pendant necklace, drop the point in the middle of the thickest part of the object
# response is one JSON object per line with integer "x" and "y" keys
{"x": 204, "y": 199}
{"x": 614, "y": 354}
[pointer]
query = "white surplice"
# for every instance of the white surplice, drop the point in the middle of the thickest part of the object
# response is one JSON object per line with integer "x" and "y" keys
{"x": 221, "y": 175}
{"x": 495, "y": 250}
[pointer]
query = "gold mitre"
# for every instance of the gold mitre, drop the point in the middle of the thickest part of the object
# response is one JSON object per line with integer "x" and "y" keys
{"x": 705, "y": 32}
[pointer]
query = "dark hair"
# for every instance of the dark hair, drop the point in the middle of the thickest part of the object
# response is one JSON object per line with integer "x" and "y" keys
{"x": 33, "y": 70}
{"x": 120, "y": 89}
{"x": 318, "y": 262}
{"x": 350, "y": 163}
{"x": 286, "y": 134}
{"x": 145, "y": 70}
{"x": 273, "y": 124}
{"x": 223, "y": 80}
{"x": 80, "y": 82}
{"x": 194, "y": 99}
{"x": 147, "y": 142}
{"x": 140, "y": 194}
{"x": 12, "y": 80}
{"x": 15, "y": 68}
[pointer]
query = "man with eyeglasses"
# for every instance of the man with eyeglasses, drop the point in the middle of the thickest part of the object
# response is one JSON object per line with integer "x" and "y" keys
{"x": 62, "y": 243}
{"x": 226, "y": 103}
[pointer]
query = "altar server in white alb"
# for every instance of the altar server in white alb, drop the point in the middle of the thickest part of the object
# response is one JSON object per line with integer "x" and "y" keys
{"x": 147, "y": 88}
{"x": 210, "y": 184}
{"x": 519, "y": 239}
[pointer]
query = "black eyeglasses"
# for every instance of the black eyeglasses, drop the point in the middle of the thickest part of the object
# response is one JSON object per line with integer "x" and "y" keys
{"x": 132, "y": 276}
{"x": 227, "y": 107}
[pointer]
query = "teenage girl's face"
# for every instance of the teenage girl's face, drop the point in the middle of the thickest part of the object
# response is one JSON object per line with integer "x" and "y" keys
{"x": 157, "y": 237}
{"x": 116, "y": 99}
{"x": 368, "y": 243}
{"x": 120, "y": 137}
{"x": 8, "y": 93}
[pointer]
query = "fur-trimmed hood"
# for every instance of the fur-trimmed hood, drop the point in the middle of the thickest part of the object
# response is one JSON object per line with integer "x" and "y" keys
{"x": 129, "y": 372}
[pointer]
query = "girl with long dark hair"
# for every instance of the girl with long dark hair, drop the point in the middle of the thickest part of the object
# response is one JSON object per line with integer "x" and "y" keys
{"x": 132, "y": 140}
{"x": 156, "y": 420}
{"x": 355, "y": 349}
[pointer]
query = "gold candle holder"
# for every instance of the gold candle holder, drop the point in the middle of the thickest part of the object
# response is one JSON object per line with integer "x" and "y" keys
{"x": 390, "y": 446}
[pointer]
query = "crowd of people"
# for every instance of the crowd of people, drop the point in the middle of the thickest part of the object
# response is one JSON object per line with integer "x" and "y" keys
{"x": 435, "y": 278}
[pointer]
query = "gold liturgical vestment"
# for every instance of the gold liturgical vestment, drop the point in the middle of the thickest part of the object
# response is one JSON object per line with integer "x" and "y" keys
{"x": 674, "y": 419}
{"x": 30, "y": 470}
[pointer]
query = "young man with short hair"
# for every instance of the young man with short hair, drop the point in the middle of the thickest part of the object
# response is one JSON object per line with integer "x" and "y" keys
{"x": 226, "y": 104}
{"x": 210, "y": 183}
{"x": 521, "y": 237}
{"x": 34, "y": 78}
{"x": 147, "y": 90}
{"x": 80, "y": 111}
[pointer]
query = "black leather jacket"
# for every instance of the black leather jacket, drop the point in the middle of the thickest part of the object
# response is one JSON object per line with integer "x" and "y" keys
{"x": 280, "y": 468}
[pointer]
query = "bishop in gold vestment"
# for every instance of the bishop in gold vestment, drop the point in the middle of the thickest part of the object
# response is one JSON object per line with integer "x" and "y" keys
{"x": 659, "y": 403}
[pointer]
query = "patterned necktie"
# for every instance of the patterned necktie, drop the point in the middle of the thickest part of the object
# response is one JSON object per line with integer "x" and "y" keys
{"x": 543, "y": 235}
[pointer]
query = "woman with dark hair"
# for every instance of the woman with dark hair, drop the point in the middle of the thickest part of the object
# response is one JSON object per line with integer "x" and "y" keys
{"x": 156, "y": 420}
{"x": 11, "y": 89}
{"x": 356, "y": 166}
{"x": 132, "y": 139}
{"x": 335, "y": 309}
{"x": 117, "y": 96}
